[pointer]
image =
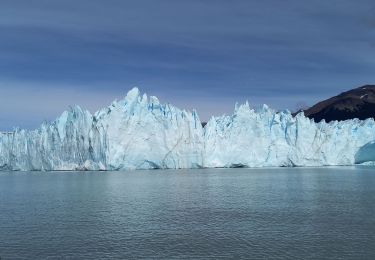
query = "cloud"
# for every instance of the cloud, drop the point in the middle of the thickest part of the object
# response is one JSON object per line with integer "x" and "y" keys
{"x": 202, "y": 54}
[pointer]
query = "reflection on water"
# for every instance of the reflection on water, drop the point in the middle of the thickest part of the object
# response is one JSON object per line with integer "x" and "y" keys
{"x": 252, "y": 213}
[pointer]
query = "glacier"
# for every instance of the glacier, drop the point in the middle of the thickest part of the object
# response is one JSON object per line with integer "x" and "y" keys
{"x": 138, "y": 132}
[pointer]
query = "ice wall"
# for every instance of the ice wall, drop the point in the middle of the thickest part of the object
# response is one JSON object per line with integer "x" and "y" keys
{"x": 141, "y": 133}
{"x": 134, "y": 133}
{"x": 264, "y": 137}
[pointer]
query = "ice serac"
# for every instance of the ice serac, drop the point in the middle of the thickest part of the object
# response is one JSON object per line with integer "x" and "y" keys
{"x": 141, "y": 133}
{"x": 138, "y": 132}
{"x": 264, "y": 137}
{"x": 68, "y": 143}
{"x": 134, "y": 133}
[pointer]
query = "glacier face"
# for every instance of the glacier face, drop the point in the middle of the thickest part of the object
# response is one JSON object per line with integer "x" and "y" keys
{"x": 141, "y": 133}
{"x": 135, "y": 133}
{"x": 264, "y": 137}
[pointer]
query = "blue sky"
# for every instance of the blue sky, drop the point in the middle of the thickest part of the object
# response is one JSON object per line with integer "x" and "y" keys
{"x": 194, "y": 54}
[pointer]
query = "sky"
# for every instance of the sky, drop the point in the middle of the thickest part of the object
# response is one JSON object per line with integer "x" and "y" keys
{"x": 196, "y": 54}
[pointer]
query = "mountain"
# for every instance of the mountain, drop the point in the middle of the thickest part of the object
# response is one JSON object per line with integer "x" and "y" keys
{"x": 356, "y": 103}
{"x": 138, "y": 132}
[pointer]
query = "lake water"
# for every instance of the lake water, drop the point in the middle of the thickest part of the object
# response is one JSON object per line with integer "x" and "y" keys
{"x": 277, "y": 213}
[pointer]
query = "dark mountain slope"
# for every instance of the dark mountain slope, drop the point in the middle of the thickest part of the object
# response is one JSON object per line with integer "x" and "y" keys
{"x": 355, "y": 103}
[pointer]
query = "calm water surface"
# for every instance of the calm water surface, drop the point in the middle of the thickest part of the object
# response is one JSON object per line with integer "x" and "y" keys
{"x": 280, "y": 213}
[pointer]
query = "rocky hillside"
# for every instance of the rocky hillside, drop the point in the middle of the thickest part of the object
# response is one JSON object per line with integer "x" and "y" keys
{"x": 355, "y": 103}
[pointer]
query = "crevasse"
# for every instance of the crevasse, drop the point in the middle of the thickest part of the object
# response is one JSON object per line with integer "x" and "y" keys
{"x": 141, "y": 133}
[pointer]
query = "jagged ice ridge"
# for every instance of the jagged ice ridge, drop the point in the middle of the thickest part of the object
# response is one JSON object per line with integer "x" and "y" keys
{"x": 140, "y": 133}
